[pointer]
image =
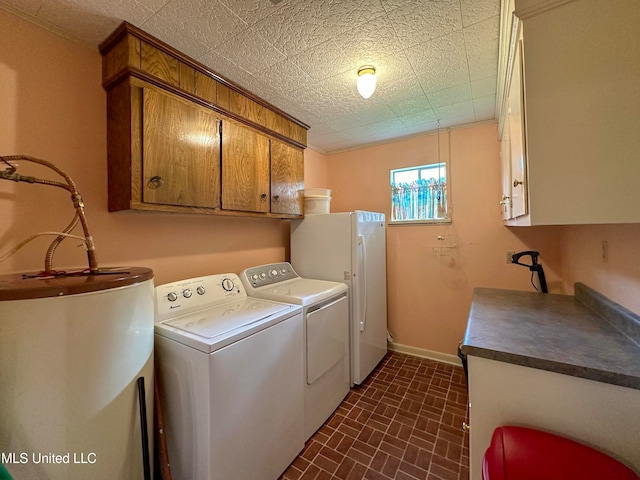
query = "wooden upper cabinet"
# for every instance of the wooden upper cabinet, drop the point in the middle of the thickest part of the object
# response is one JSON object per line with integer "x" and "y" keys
{"x": 181, "y": 152}
{"x": 245, "y": 169}
{"x": 287, "y": 178}
{"x": 130, "y": 51}
{"x": 181, "y": 138}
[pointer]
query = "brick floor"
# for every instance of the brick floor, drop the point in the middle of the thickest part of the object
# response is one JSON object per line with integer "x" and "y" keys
{"x": 404, "y": 422}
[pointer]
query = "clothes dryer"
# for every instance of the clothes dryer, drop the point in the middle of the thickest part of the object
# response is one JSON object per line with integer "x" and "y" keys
{"x": 325, "y": 329}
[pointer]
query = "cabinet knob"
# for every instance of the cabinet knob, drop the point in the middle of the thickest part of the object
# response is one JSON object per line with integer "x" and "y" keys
{"x": 276, "y": 198}
{"x": 263, "y": 197}
{"x": 517, "y": 182}
{"x": 155, "y": 182}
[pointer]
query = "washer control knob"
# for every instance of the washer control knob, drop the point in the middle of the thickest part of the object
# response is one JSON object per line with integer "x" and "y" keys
{"x": 283, "y": 271}
{"x": 273, "y": 273}
{"x": 186, "y": 293}
{"x": 263, "y": 275}
{"x": 200, "y": 290}
{"x": 172, "y": 296}
{"x": 227, "y": 284}
{"x": 254, "y": 276}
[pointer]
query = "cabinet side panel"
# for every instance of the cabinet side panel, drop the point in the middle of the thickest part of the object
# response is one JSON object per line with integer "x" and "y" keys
{"x": 119, "y": 146}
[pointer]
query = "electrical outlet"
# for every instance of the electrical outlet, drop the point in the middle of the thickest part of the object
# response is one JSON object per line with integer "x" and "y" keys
{"x": 508, "y": 255}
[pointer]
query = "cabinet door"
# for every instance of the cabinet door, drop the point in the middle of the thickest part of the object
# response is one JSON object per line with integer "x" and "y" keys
{"x": 180, "y": 152}
{"x": 245, "y": 169}
{"x": 287, "y": 178}
{"x": 505, "y": 158}
{"x": 517, "y": 129}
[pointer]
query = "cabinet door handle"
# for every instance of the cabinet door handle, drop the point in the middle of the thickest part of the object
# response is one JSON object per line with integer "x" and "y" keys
{"x": 155, "y": 182}
{"x": 517, "y": 182}
{"x": 505, "y": 200}
{"x": 263, "y": 197}
{"x": 276, "y": 198}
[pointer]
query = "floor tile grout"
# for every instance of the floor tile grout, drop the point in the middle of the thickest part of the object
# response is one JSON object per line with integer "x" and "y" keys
{"x": 421, "y": 455}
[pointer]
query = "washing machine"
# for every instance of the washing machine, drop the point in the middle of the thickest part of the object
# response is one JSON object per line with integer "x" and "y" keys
{"x": 325, "y": 313}
{"x": 229, "y": 375}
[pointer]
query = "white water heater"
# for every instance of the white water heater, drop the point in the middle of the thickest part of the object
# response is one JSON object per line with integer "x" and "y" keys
{"x": 72, "y": 349}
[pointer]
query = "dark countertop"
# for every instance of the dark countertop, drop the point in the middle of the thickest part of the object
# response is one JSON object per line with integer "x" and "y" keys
{"x": 558, "y": 333}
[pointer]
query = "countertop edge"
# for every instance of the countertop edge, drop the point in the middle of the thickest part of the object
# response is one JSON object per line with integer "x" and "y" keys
{"x": 595, "y": 375}
{"x": 623, "y": 324}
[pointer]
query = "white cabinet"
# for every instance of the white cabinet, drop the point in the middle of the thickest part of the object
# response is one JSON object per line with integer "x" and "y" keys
{"x": 581, "y": 65}
{"x": 512, "y": 126}
{"x": 595, "y": 413}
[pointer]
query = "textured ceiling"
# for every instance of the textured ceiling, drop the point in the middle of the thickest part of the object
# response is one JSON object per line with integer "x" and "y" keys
{"x": 436, "y": 60}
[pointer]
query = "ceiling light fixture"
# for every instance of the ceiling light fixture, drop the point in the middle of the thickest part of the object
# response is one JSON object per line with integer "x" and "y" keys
{"x": 366, "y": 81}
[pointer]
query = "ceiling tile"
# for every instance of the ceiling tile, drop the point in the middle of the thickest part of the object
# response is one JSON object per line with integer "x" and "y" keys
{"x": 411, "y": 105}
{"x": 474, "y": 11}
{"x": 176, "y": 36}
{"x": 210, "y": 22}
{"x": 256, "y": 54}
{"x": 484, "y": 107}
{"x": 252, "y": 11}
{"x": 303, "y": 55}
{"x": 298, "y": 26}
{"x": 440, "y": 63}
{"x": 285, "y": 77}
{"x": 481, "y": 41}
{"x": 375, "y": 37}
{"x": 323, "y": 61}
{"x": 484, "y": 86}
{"x": 425, "y": 117}
{"x": 447, "y": 96}
{"x": 419, "y": 22}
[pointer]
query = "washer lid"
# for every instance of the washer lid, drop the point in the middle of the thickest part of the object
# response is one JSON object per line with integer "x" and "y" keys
{"x": 215, "y": 327}
{"x": 300, "y": 291}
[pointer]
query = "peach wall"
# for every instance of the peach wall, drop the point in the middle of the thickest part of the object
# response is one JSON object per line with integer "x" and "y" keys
{"x": 617, "y": 277}
{"x": 54, "y": 107}
{"x": 429, "y": 289}
{"x": 315, "y": 169}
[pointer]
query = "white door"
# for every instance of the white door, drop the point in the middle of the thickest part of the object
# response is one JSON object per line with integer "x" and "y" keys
{"x": 369, "y": 294}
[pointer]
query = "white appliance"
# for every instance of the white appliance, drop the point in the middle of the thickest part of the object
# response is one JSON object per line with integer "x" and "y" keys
{"x": 350, "y": 247}
{"x": 72, "y": 348}
{"x": 326, "y": 334}
{"x": 229, "y": 371}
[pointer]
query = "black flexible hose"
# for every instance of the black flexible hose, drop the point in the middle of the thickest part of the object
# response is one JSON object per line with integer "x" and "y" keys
{"x": 143, "y": 427}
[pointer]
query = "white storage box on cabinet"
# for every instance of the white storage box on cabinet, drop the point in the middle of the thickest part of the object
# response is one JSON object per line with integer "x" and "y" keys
{"x": 317, "y": 201}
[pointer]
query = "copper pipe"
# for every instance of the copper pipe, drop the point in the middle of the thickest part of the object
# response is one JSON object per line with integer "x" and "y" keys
{"x": 70, "y": 186}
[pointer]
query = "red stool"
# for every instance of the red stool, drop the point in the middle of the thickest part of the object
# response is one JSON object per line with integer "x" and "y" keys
{"x": 518, "y": 453}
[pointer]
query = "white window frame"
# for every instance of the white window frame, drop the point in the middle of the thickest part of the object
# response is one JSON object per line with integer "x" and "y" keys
{"x": 432, "y": 221}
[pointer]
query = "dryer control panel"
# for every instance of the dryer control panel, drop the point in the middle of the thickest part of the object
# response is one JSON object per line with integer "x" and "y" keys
{"x": 173, "y": 299}
{"x": 269, "y": 274}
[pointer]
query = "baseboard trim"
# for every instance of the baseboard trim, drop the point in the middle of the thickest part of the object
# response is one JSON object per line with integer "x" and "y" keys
{"x": 421, "y": 352}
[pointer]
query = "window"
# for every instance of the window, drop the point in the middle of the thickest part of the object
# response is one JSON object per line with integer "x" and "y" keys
{"x": 419, "y": 194}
